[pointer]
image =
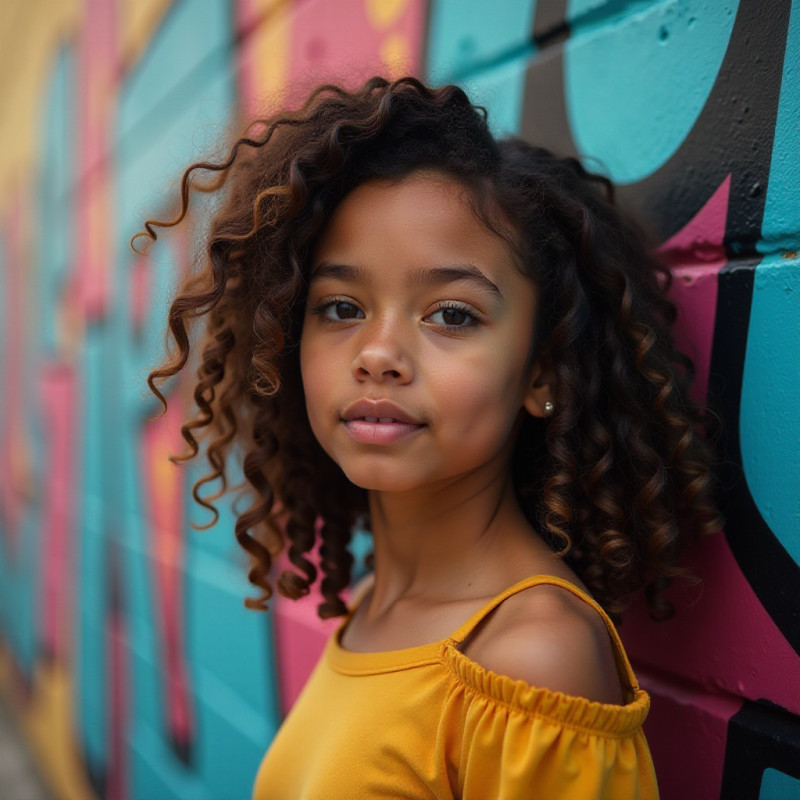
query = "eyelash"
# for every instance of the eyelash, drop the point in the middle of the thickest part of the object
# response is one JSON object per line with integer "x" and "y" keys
{"x": 322, "y": 307}
{"x": 464, "y": 309}
{"x": 474, "y": 317}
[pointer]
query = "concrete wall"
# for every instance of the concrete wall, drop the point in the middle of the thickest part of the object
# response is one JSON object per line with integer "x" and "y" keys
{"x": 124, "y": 645}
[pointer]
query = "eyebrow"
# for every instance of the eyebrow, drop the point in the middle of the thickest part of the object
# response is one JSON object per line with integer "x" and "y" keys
{"x": 420, "y": 277}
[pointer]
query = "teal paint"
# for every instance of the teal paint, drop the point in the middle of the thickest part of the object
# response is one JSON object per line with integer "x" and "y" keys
{"x": 467, "y": 35}
{"x": 777, "y": 785}
{"x": 781, "y": 226}
{"x": 194, "y": 40}
{"x": 500, "y": 91}
{"x": 56, "y": 181}
{"x": 174, "y": 109}
{"x": 769, "y": 423}
{"x": 91, "y": 567}
{"x": 635, "y": 86}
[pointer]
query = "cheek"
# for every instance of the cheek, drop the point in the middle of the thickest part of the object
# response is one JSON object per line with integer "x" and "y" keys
{"x": 314, "y": 374}
{"x": 484, "y": 395}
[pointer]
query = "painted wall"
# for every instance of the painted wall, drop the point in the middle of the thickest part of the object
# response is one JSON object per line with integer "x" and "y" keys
{"x": 124, "y": 645}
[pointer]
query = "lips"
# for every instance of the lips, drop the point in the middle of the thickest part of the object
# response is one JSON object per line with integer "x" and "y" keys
{"x": 379, "y": 411}
{"x": 379, "y": 422}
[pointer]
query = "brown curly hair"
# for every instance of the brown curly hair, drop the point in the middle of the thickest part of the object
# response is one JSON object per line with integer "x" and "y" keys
{"x": 617, "y": 480}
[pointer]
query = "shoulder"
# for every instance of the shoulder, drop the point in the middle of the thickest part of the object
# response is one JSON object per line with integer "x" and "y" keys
{"x": 548, "y": 638}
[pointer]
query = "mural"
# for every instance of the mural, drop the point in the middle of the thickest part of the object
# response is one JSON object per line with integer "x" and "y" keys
{"x": 124, "y": 644}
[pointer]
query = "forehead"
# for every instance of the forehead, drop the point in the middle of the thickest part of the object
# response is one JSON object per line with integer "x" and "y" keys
{"x": 419, "y": 221}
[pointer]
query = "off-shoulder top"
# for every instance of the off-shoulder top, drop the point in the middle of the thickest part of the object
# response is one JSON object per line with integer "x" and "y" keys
{"x": 429, "y": 722}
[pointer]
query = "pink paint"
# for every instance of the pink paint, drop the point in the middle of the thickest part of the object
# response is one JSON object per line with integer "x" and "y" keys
{"x": 721, "y": 638}
{"x": 336, "y": 40}
{"x": 694, "y": 291}
{"x": 300, "y": 636}
{"x": 687, "y": 733}
{"x": 696, "y": 254}
{"x": 246, "y": 20}
{"x": 13, "y": 444}
{"x": 98, "y": 77}
{"x": 141, "y": 289}
{"x": 164, "y": 492}
{"x": 58, "y": 390}
{"x": 700, "y": 240}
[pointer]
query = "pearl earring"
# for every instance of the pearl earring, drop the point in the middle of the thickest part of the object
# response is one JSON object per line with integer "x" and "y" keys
{"x": 549, "y": 408}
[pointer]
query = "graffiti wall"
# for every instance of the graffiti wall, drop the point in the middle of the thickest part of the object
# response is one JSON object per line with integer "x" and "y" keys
{"x": 125, "y": 648}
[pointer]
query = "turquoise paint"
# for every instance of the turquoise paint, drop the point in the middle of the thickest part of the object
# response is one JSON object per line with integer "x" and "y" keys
{"x": 150, "y": 165}
{"x": 166, "y": 779}
{"x": 777, "y": 785}
{"x": 780, "y": 228}
{"x": 56, "y": 180}
{"x": 19, "y": 578}
{"x": 769, "y": 423}
{"x": 91, "y": 566}
{"x": 174, "y": 109}
{"x": 580, "y": 12}
{"x": 635, "y": 86}
{"x": 500, "y": 91}
{"x": 465, "y": 35}
{"x": 194, "y": 40}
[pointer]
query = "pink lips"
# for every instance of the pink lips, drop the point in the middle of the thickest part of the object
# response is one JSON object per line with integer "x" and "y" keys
{"x": 379, "y": 422}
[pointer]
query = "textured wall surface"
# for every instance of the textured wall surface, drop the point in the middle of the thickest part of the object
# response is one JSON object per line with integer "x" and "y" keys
{"x": 124, "y": 644}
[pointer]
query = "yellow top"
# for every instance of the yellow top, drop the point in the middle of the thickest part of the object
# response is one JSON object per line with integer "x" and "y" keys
{"x": 428, "y": 722}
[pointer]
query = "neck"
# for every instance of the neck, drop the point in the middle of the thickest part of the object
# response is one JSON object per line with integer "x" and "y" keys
{"x": 449, "y": 541}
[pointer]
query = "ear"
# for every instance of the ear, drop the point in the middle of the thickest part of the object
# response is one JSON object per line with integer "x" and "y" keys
{"x": 540, "y": 388}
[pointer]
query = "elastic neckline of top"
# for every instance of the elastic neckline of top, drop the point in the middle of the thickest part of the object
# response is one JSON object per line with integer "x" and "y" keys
{"x": 353, "y": 662}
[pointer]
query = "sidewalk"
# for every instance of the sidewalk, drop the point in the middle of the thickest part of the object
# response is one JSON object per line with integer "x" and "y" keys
{"x": 18, "y": 777}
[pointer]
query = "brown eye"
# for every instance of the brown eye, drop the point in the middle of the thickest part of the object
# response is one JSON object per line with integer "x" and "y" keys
{"x": 345, "y": 311}
{"x": 338, "y": 311}
{"x": 454, "y": 317}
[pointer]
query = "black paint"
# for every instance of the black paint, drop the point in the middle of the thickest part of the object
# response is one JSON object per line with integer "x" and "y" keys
{"x": 772, "y": 572}
{"x": 760, "y": 736}
{"x": 733, "y": 134}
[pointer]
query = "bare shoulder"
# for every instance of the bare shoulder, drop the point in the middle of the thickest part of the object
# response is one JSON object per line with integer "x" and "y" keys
{"x": 549, "y": 638}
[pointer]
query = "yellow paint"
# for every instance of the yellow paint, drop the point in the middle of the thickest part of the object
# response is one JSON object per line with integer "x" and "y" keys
{"x": 382, "y": 14}
{"x": 138, "y": 21}
{"x": 5, "y": 671}
{"x": 31, "y": 32}
{"x": 395, "y": 54}
{"x": 46, "y": 721}
{"x": 269, "y": 51}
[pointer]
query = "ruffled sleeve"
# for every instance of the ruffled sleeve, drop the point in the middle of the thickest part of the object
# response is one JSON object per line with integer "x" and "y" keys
{"x": 507, "y": 740}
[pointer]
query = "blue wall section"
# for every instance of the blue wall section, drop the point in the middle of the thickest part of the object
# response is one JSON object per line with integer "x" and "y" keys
{"x": 771, "y": 397}
{"x": 467, "y": 36}
{"x": 781, "y": 226}
{"x": 636, "y": 86}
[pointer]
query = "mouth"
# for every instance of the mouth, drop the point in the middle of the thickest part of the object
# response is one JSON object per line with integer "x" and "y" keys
{"x": 379, "y": 422}
{"x": 379, "y": 412}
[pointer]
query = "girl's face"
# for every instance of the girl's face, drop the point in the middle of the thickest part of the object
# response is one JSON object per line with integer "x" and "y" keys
{"x": 416, "y": 338}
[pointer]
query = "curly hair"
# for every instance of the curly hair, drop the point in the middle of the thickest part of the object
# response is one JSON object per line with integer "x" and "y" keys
{"x": 617, "y": 481}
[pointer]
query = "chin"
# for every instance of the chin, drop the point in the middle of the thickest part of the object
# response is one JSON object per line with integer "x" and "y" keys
{"x": 378, "y": 480}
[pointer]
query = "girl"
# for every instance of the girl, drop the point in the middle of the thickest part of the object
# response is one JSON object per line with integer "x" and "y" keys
{"x": 461, "y": 344}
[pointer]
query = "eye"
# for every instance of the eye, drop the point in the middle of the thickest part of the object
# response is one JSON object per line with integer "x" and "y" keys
{"x": 338, "y": 311}
{"x": 454, "y": 316}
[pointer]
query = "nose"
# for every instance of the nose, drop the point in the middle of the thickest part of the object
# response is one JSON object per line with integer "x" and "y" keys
{"x": 383, "y": 354}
